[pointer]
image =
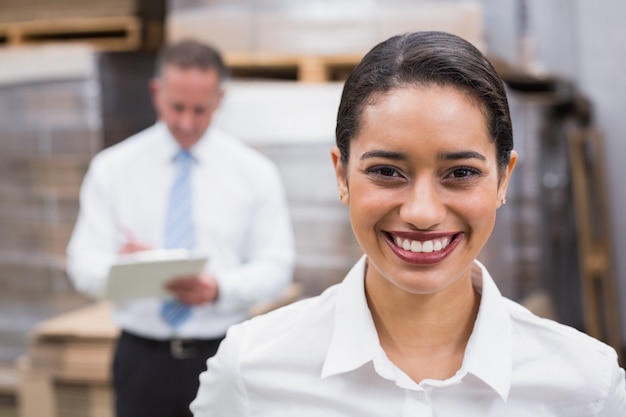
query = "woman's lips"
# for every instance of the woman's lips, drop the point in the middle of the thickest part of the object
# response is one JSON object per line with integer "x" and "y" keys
{"x": 426, "y": 246}
{"x": 425, "y": 250}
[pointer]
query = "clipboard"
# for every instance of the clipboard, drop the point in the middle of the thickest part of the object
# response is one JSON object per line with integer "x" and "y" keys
{"x": 144, "y": 274}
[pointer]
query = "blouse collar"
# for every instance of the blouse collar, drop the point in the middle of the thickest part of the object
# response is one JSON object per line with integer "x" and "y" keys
{"x": 487, "y": 356}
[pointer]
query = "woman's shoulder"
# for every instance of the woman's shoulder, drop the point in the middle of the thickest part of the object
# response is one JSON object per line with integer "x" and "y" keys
{"x": 289, "y": 324}
{"x": 568, "y": 353}
{"x": 550, "y": 333}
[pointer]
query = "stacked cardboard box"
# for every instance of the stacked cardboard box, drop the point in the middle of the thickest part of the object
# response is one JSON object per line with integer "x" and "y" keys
{"x": 49, "y": 130}
{"x": 293, "y": 124}
{"x": 313, "y": 40}
{"x": 11, "y": 10}
{"x": 66, "y": 371}
{"x": 109, "y": 24}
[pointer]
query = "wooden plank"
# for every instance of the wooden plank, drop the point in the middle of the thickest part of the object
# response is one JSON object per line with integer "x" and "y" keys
{"x": 91, "y": 322}
{"x": 120, "y": 33}
{"x": 307, "y": 68}
{"x": 593, "y": 228}
{"x": 35, "y": 392}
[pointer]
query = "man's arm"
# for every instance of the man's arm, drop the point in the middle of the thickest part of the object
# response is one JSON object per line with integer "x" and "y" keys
{"x": 271, "y": 251}
{"x": 94, "y": 243}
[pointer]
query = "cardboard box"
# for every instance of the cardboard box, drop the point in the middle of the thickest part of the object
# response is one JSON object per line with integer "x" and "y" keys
{"x": 66, "y": 371}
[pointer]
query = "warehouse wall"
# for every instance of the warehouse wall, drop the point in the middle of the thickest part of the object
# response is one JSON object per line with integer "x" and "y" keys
{"x": 580, "y": 40}
{"x": 574, "y": 40}
{"x": 600, "y": 64}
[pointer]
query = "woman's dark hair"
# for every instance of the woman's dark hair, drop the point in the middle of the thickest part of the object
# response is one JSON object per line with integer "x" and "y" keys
{"x": 190, "y": 53}
{"x": 425, "y": 58}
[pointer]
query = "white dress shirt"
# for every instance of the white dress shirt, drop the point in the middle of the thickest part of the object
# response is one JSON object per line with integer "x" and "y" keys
{"x": 241, "y": 222}
{"x": 322, "y": 357}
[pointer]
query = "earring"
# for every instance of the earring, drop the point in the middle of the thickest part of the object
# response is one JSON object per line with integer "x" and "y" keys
{"x": 503, "y": 200}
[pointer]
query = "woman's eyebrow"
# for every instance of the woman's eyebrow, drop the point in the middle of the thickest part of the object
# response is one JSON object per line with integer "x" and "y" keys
{"x": 398, "y": 156}
{"x": 462, "y": 155}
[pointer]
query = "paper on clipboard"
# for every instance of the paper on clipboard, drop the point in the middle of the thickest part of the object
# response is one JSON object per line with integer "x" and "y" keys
{"x": 144, "y": 274}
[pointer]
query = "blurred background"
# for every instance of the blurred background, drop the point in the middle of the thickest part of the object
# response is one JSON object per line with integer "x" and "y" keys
{"x": 73, "y": 80}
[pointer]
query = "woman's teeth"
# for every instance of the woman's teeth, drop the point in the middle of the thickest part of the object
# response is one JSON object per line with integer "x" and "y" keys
{"x": 427, "y": 246}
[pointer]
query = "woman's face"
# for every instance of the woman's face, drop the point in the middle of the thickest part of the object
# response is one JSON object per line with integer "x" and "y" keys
{"x": 423, "y": 187}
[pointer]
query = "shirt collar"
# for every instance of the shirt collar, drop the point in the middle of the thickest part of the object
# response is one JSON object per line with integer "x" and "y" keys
{"x": 355, "y": 342}
{"x": 489, "y": 350}
{"x": 354, "y": 338}
{"x": 171, "y": 148}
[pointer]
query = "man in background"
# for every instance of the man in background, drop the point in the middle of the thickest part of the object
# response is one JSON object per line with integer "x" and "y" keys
{"x": 181, "y": 183}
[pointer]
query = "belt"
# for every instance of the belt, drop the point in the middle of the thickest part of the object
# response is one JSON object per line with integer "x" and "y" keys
{"x": 179, "y": 348}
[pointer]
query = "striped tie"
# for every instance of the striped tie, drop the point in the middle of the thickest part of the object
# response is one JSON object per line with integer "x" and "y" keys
{"x": 179, "y": 232}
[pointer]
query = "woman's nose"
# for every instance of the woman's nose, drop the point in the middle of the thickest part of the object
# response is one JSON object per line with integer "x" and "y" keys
{"x": 423, "y": 206}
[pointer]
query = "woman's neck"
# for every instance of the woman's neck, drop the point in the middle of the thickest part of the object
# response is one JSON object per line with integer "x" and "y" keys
{"x": 424, "y": 335}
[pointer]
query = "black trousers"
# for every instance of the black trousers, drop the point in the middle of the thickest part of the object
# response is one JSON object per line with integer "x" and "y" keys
{"x": 152, "y": 379}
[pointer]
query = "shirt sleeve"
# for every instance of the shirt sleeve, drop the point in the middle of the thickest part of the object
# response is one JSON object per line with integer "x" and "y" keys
{"x": 221, "y": 392}
{"x": 615, "y": 402}
{"x": 93, "y": 244}
{"x": 269, "y": 263}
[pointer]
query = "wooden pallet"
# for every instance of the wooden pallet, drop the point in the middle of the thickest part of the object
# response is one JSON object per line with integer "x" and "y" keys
{"x": 305, "y": 68}
{"x": 9, "y": 380}
{"x": 598, "y": 281}
{"x": 121, "y": 33}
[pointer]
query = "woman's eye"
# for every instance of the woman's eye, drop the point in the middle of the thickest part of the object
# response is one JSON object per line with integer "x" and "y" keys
{"x": 384, "y": 171}
{"x": 464, "y": 172}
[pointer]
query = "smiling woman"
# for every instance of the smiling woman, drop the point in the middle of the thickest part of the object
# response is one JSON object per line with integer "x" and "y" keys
{"x": 418, "y": 327}
{"x": 444, "y": 191}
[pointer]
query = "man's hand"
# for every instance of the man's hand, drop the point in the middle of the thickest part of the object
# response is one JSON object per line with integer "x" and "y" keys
{"x": 132, "y": 245}
{"x": 194, "y": 289}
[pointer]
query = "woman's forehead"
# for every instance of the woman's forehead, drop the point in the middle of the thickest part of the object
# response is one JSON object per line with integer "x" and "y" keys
{"x": 442, "y": 118}
{"x": 426, "y": 107}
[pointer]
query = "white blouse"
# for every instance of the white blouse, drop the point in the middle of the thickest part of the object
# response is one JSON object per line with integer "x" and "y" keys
{"x": 322, "y": 357}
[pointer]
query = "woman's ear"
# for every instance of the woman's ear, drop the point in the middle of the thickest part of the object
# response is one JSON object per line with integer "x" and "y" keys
{"x": 506, "y": 177}
{"x": 340, "y": 174}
